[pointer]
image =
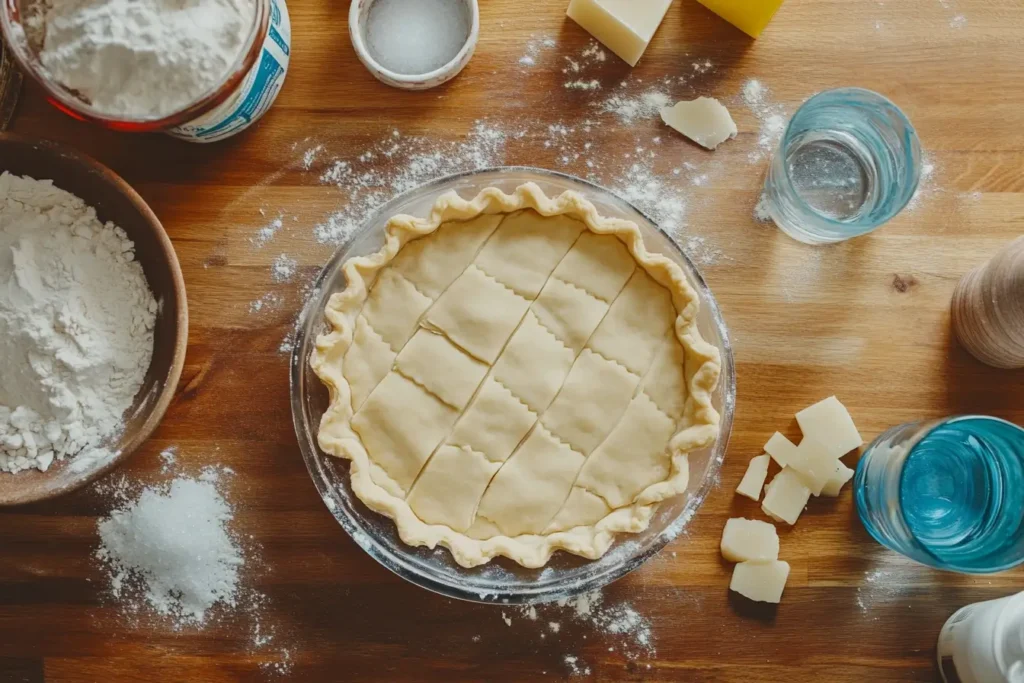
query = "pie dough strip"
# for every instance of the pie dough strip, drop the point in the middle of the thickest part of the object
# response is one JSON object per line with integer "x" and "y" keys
{"x": 336, "y": 436}
{"x": 540, "y": 415}
{"x": 419, "y": 322}
{"x": 490, "y": 369}
{"x": 639, "y": 390}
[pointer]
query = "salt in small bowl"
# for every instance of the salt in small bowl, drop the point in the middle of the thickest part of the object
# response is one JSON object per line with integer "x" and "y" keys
{"x": 358, "y": 16}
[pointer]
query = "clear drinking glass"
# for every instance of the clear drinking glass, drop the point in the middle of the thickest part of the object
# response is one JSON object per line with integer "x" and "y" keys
{"x": 948, "y": 493}
{"x": 848, "y": 162}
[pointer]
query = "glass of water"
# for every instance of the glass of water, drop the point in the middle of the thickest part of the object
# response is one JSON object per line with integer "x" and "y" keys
{"x": 848, "y": 162}
{"x": 948, "y": 493}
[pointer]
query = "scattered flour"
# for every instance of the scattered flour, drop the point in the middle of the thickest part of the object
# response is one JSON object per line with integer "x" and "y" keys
{"x": 76, "y": 327}
{"x": 267, "y": 232}
{"x": 926, "y": 187}
{"x": 594, "y": 53}
{"x": 408, "y": 161}
{"x": 268, "y": 301}
{"x": 534, "y": 47}
{"x": 592, "y": 84}
{"x": 881, "y": 587}
{"x": 958, "y": 21}
{"x": 761, "y": 213}
{"x": 645, "y": 105}
{"x": 590, "y": 612}
{"x": 754, "y": 92}
{"x": 169, "y": 456}
{"x": 309, "y": 157}
{"x": 283, "y": 268}
{"x": 653, "y": 194}
{"x": 701, "y": 252}
{"x": 574, "y": 666}
{"x": 771, "y": 117}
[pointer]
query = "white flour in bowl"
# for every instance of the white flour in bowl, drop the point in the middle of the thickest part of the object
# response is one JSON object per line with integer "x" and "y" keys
{"x": 76, "y": 326}
{"x": 141, "y": 58}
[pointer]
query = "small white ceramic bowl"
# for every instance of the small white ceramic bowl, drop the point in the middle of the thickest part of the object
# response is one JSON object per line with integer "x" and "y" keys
{"x": 357, "y": 15}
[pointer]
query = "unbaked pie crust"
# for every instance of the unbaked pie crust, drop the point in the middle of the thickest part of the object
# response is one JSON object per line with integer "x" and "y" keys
{"x": 515, "y": 375}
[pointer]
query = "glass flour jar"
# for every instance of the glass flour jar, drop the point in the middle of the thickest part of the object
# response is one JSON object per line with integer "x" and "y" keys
{"x": 245, "y": 94}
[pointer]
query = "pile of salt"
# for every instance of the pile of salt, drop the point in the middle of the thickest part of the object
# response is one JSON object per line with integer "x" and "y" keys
{"x": 174, "y": 543}
{"x": 415, "y": 37}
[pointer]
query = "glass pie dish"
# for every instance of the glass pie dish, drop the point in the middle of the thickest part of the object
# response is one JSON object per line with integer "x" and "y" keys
{"x": 501, "y": 580}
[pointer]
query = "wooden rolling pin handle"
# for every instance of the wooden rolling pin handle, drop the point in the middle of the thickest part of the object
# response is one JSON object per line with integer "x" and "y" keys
{"x": 988, "y": 309}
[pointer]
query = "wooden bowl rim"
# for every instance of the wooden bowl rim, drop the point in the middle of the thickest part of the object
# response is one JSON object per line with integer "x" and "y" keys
{"x": 166, "y": 395}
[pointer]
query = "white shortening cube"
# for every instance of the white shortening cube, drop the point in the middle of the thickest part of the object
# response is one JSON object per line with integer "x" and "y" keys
{"x": 830, "y": 423}
{"x": 813, "y": 461}
{"x": 704, "y": 120}
{"x": 753, "y": 479}
{"x": 624, "y": 26}
{"x": 780, "y": 448}
{"x": 838, "y": 479}
{"x": 760, "y": 581}
{"x": 785, "y": 497}
{"x": 749, "y": 539}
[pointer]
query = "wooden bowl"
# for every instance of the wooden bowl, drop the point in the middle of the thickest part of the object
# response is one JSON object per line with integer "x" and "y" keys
{"x": 114, "y": 201}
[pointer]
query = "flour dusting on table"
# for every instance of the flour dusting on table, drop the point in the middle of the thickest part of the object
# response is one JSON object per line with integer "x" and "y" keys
{"x": 405, "y": 162}
{"x": 571, "y": 620}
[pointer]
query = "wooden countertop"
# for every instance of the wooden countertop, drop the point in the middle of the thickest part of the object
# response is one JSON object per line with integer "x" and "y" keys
{"x": 866, "y": 320}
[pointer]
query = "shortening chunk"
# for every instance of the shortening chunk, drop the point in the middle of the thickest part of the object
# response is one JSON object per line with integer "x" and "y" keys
{"x": 780, "y": 448}
{"x": 831, "y": 424}
{"x": 749, "y": 539}
{"x": 624, "y": 26}
{"x": 760, "y": 581}
{"x": 813, "y": 461}
{"x": 785, "y": 497}
{"x": 838, "y": 479}
{"x": 704, "y": 120}
{"x": 753, "y": 480}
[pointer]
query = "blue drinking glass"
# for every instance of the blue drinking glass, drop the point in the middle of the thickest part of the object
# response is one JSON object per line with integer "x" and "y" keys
{"x": 848, "y": 162}
{"x": 948, "y": 493}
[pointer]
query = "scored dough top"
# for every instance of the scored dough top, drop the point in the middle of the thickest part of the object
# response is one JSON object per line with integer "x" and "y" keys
{"x": 515, "y": 375}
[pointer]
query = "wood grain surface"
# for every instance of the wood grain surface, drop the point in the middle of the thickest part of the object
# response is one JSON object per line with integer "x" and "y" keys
{"x": 867, "y": 320}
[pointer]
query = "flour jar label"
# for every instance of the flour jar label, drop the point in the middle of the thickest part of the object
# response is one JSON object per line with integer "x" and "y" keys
{"x": 258, "y": 91}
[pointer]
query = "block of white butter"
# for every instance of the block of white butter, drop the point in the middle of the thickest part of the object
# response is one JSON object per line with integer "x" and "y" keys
{"x": 814, "y": 462}
{"x": 830, "y": 423}
{"x": 624, "y": 26}
{"x": 780, "y": 448}
{"x": 785, "y": 497}
{"x": 704, "y": 120}
{"x": 760, "y": 581}
{"x": 749, "y": 539}
{"x": 838, "y": 479}
{"x": 753, "y": 479}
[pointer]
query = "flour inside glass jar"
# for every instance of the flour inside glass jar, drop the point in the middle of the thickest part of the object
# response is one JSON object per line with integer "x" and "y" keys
{"x": 139, "y": 58}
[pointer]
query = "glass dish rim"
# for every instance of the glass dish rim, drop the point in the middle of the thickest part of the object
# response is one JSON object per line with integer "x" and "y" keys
{"x": 400, "y": 565}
